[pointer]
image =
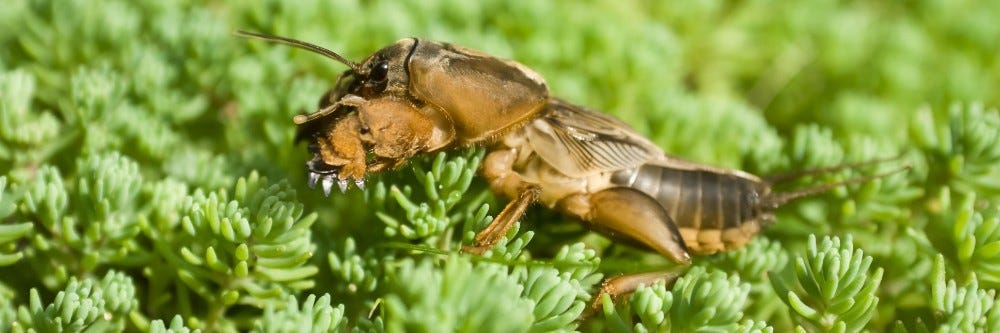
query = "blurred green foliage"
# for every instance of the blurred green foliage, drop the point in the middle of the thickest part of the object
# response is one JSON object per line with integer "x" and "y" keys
{"x": 149, "y": 180}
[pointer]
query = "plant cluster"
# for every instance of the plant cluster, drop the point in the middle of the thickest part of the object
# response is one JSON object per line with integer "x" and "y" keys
{"x": 149, "y": 178}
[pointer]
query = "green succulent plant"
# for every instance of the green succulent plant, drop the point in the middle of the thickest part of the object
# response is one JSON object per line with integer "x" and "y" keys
{"x": 150, "y": 179}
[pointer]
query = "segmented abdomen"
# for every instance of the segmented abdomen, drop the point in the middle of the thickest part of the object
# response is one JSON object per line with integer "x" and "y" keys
{"x": 713, "y": 211}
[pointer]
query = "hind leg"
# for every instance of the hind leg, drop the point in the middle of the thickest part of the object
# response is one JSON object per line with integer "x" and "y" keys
{"x": 630, "y": 216}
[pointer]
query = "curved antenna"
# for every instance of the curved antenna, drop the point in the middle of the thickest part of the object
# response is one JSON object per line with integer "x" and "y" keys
{"x": 302, "y": 45}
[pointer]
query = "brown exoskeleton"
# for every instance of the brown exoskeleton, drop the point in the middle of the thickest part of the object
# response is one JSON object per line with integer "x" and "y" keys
{"x": 418, "y": 96}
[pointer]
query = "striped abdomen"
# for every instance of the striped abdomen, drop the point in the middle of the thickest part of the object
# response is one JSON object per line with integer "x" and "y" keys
{"x": 714, "y": 211}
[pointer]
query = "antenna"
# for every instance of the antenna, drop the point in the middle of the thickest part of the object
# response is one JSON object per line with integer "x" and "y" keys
{"x": 302, "y": 45}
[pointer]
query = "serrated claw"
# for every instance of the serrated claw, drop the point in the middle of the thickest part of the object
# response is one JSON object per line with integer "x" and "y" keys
{"x": 327, "y": 185}
{"x": 343, "y": 185}
{"x": 360, "y": 183}
{"x": 313, "y": 178}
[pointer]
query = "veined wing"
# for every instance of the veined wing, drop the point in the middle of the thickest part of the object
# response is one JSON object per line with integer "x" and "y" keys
{"x": 578, "y": 141}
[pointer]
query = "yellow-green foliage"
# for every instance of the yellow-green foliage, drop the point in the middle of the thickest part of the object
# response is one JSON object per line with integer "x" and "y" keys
{"x": 149, "y": 179}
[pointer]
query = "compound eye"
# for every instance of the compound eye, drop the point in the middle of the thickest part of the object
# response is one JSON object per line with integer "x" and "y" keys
{"x": 379, "y": 72}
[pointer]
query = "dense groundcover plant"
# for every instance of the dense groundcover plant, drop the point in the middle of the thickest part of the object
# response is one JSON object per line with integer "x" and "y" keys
{"x": 149, "y": 180}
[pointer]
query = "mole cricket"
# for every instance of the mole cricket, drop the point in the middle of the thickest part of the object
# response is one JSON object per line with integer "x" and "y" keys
{"x": 418, "y": 96}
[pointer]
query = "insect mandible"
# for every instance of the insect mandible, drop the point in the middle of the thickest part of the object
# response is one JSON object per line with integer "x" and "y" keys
{"x": 418, "y": 96}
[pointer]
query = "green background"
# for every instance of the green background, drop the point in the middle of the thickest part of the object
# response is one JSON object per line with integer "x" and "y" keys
{"x": 151, "y": 182}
